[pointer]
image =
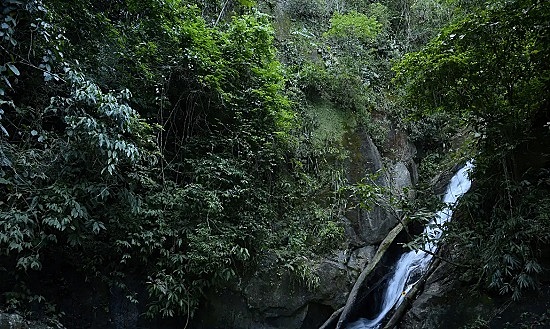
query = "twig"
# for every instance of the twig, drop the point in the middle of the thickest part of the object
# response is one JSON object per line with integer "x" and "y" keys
{"x": 221, "y": 13}
{"x": 28, "y": 63}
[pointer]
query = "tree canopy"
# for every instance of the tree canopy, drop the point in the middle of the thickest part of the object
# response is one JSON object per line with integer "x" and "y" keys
{"x": 490, "y": 70}
{"x": 171, "y": 142}
{"x": 150, "y": 138}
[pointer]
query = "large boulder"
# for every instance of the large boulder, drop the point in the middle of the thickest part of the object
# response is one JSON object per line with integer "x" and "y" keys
{"x": 402, "y": 180}
{"x": 269, "y": 300}
{"x": 369, "y": 226}
{"x": 375, "y": 224}
{"x": 399, "y": 172}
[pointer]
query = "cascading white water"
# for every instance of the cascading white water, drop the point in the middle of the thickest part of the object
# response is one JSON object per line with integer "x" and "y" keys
{"x": 412, "y": 264}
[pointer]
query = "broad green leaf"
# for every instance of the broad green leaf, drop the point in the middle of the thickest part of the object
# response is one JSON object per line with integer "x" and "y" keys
{"x": 13, "y": 69}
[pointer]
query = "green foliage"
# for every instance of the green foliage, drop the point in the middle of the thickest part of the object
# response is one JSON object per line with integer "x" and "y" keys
{"x": 530, "y": 320}
{"x": 143, "y": 128}
{"x": 167, "y": 131}
{"x": 344, "y": 60}
{"x": 338, "y": 83}
{"x": 489, "y": 71}
{"x": 508, "y": 243}
{"x": 353, "y": 25}
{"x": 479, "y": 323}
{"x": 458, "y": 61}
{"x": 428, "y": 17}
{"x": 308, "y": 9}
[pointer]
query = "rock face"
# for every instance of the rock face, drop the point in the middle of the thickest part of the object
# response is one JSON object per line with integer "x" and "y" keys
{"x": 371, "y": 227}
{"x": 402, "y": 180}
{"x": 361, "y": 257}
{"x": 271, "y": 301}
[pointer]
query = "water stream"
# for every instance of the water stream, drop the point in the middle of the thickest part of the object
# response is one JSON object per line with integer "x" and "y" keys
{"x": 411, "y": 265}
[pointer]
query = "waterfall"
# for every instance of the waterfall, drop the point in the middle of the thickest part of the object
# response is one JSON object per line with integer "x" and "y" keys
{"x": 412, "y": 265}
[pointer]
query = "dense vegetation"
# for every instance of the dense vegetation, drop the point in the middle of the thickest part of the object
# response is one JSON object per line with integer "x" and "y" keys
{"x": 182, "y": 143}
{"x": 490, "y": 71}
{"x": 140, "y": 138}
